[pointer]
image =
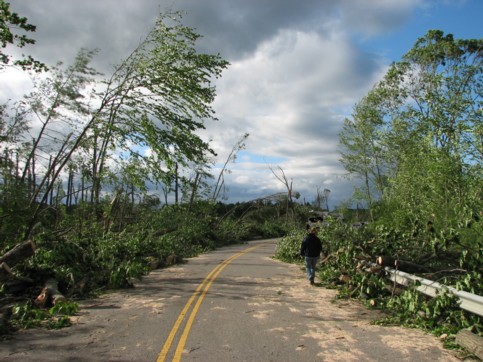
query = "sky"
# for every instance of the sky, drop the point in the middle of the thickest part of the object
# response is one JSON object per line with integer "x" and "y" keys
{"x": 297, "y": 68}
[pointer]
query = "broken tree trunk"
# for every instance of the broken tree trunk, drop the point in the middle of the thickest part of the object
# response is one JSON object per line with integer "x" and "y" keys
{"x": 402, "y": 265}
{"x": 5, "y": 313}
{"x": 12, "y": 283}
{"x": 385, "y": 261}
{"x": 17, "y": 284}
{"x": 49, "y": 294}
{"x": 471, "y": 342}
{"x": 18, "y": 253}
{"x": 5, "y": 272}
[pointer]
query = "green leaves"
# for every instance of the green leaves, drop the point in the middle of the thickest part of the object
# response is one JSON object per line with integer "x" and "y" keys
{"x": 131, "y": 130}
{"x": 28, "y": 316}
{"x": 8, "y": 21}
{"x": 160, "y": 96}
{"x": 415, "y": 142}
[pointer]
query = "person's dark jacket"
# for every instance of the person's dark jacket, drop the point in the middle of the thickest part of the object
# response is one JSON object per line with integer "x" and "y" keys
{"x": 311, "y": 246}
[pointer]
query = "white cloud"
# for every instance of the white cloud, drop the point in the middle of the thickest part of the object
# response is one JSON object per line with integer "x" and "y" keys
{"x": 285, "y": 95}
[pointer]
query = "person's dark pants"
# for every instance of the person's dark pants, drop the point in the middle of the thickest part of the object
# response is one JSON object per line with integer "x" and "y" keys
{"x": 310, "y": 263}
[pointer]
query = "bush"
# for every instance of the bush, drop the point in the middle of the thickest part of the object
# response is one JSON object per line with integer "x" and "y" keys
{"x": 288, "y": 248}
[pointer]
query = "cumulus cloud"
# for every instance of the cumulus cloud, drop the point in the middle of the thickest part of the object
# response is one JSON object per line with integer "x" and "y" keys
{"x": 286, "y": 96}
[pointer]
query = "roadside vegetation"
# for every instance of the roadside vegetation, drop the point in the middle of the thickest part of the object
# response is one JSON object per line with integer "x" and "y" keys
{"x": 78, "y": 214}
{"x": 415, "y": 144}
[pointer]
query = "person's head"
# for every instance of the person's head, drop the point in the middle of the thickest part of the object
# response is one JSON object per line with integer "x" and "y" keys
{"x": 314, "y": 230}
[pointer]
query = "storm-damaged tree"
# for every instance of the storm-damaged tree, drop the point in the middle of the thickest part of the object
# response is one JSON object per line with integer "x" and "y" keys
{"x": 145, "y": 114}
{"x": 288, "y": 185}
{"x": 197, "y": 186}
{"x": 220, "y": 182}
{"x": 326, "y": 198}
{"x": 422, "y": 125}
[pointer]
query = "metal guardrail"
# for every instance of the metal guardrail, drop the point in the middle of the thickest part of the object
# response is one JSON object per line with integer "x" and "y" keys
{"x": 470, "y": 302}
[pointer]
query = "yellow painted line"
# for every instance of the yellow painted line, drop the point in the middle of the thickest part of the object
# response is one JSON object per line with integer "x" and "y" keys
{"x": 174, "y": 330}
{"x": 206, "y": 283}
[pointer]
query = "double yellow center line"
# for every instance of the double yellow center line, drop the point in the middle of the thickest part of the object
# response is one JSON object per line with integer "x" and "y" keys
{"x": 199, "y": 293}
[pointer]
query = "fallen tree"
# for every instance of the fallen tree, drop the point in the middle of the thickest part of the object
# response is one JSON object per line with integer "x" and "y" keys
{"x": 402, "y": 265}
{"x": 50, "y": 294}
{"x": 18, "y": 253}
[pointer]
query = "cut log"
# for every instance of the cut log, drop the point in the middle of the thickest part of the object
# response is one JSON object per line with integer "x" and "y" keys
{"x": 49, "y": 294}
{"x": 17, "y": 285}
{"x": 410, "y": 267}
{"x": 5, "y": 313}
{"x": 18, "y": 253}
{"x": 402, "y": 265}
{"x": 51, "y": 285}
{"x": 385, "y": 261}
{"x": 5, "y": 272}
{"x": 471, "y": 342}
{"x": 171, "y": 260}
{"x": 42, "y": 298}
{"x": 344, "y": 278}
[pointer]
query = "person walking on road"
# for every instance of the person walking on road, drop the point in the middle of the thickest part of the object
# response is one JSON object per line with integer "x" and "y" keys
{"x": 310, "y": 250}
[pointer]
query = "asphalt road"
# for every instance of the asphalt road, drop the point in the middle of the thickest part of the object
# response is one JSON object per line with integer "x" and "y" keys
{"x": 233, "y": 304}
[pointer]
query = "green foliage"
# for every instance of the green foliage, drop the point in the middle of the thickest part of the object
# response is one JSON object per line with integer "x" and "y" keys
{"x": 64, "y": 308}
{"x": 346, "y": 246}
{"x": 28, "y": 316}
{"x": 288, "y": 247}
{"x": 85, "y": 257}
{"x": 366, "y": 286}
{"x": 9, "y": 23}
{"x": 439, "y": 315}
{"x": 156, "y": 99}
{"x": 13, "y": 212}
{"x": 415, "y": 140}
{"x": 121, "y": 254}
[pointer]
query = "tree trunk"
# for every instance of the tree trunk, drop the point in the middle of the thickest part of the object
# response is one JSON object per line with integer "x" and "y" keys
{"x": 49, "y": 294}
{"x": 17, "y": 285}
{"x": 402, "y": 265}
{"x": 5, "y": 272}
{"x": 471, "y": 342}
{"x": 385, "y": 261}
{"x": 18, "y": 253}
